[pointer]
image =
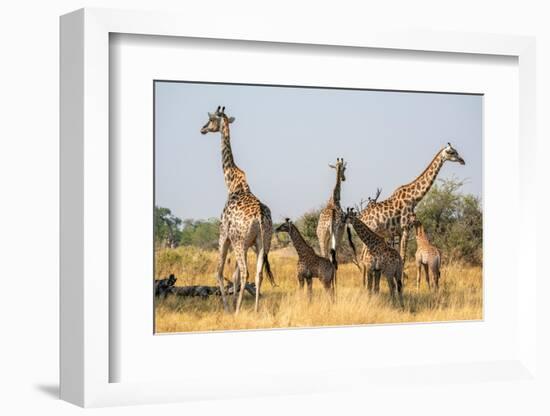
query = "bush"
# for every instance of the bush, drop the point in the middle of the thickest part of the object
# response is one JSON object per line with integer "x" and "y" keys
{"x": 307, "y": 225}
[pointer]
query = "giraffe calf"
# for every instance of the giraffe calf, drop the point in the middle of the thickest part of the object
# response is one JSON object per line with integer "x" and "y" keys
{"x": 377, "y": 258}
{"x": 427, "y": 256}
{"x": 310, "y": 264}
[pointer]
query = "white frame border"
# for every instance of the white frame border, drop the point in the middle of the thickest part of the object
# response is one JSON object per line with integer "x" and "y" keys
{"x": 84, "y": 233}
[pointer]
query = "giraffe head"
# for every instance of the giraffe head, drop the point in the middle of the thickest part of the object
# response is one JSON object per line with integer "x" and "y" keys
{"x": 340, "y": 167}
{"x": 450, "y": 153}
{"x": 172, "y": 280}
{"x": 350, "y": 213}
{"x": 284, "y": 227}
{"x": 216, "y": 121}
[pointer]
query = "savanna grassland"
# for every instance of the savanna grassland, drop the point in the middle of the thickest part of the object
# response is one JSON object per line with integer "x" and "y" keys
{"x": 283, "y": 306}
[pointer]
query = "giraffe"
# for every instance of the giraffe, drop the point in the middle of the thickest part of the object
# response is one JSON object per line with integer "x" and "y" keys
{"x": 377, "y": 258}
{"x": 245, "y": 221}
{"x": 427, "y": 256}
{"x": 330, "y": 227}
{"x": 395, "y": 215}
{"x": 310, "y": 264}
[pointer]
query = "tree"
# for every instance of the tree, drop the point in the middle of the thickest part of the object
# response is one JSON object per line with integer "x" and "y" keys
{"x": 201, "y": 233}
{"x": 167, "y": 228}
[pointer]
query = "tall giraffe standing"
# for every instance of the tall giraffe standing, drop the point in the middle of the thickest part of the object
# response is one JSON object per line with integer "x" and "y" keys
{"x": 245, "y": 221}
{"x": 330, "y": 227}
{"x": 395, "y": 215}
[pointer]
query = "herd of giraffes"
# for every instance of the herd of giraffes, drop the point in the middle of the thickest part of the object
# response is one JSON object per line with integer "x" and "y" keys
{"x": 246, "y": 223}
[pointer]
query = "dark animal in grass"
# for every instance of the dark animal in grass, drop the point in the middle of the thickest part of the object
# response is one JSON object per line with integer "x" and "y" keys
{"x": 162, "y": 286}
{"x": 206, "y": 291}
{"x": 249, "y": 287}
{"x": 194, "y": 291}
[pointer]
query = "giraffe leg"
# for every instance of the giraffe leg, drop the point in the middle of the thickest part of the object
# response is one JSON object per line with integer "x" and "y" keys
{"x": 403, "y": 244}
{"x": 435, "y": 277}
{"x": 377, "y": 275}
{"x": 309, "y": 281}
{"x": 301, "y": 281}
{"x": 427, "y": 273}
{"x": 240, "y": 255}
{"x": 370, "y": 279}
{"x": 224, "y": 246}
{"x": 418, "y": 275}
{"x": 329, "y": 288}
{"x": 391, "y": 286}
{"x": 236, "y": 282}
{"x": 399, "y": 286}
{"x": 258, "y": 278}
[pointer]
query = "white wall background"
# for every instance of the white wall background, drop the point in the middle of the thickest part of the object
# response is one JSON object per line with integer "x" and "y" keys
{"x": 29, "y": 178}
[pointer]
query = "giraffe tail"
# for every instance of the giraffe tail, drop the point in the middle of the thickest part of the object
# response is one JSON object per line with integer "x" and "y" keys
{"x": 335, "y": 271}
{"x": 352, "y": 245}
{"x": 266, "y": 264}
{"x": 333, "y": 258}
{"x": 269, "y": 272}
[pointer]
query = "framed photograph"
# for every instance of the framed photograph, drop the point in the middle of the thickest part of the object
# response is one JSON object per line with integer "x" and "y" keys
{"x": 332, "y": 202}
{"x": 315, "y": 276}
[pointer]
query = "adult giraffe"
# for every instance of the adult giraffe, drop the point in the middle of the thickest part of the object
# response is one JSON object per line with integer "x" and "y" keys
{"x": 245, "y": 221}
{"x": 395, "y": 215}
{"x": 330, "y": 227}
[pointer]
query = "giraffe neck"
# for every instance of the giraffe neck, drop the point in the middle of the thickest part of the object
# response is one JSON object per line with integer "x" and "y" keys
{"x": 422, "y": 184}
{"x": 367, "y": 236}
{"x": 227, "y": 153}
{"x": 301, "y": 246}
{"x": 421, "y": 235}
{"x": 335, "y": 199}
{"x": 235, "y": 178}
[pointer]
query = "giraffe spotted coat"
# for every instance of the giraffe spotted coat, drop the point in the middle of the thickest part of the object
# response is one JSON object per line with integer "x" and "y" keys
{"x": 310, "y": 265}
{"x": 330, "y": 228}
{"x": 428, "y": 257}
{"x": 377, "y": 258}
{"x": 395, "y": 215}
{"x": 245, "y": 221}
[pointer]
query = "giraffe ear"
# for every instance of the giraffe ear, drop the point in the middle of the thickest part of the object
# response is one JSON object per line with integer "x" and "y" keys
{"x": 332, "y": 166}
{"x": 231, "y": 119}
{"x": 211, "y": 116}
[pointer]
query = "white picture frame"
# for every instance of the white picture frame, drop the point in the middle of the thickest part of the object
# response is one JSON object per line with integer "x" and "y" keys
{"x": 85, "y": 211}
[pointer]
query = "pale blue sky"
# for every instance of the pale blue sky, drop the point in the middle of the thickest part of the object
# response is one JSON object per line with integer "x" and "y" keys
{"x": 284, "y": 139}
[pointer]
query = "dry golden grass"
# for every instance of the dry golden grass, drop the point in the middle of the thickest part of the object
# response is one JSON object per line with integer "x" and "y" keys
{"x": 459, "y": 298}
